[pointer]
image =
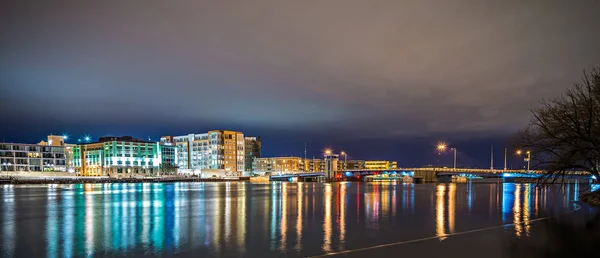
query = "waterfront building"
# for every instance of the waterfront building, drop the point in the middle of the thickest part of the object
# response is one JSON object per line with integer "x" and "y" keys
{"x": 60, "y": 140}
{"x": 215, "y": 150}
{"x": 168, "y": 150}
{"x": 278, "y": 164}
{"x": 252, "y": 152}
{"x": 20, "y": 157}
{"x": 380, "y": 164}
{"x": 121, "y": 157}
{"x": 314, "y": 165}
{"x": 351, "y": 164}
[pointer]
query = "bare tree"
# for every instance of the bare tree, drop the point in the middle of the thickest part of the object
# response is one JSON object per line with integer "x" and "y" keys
{"x": 564, "y": 133}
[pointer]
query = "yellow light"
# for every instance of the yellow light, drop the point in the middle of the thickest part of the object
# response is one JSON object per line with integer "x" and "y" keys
{"x": 328, "y": 151}
{"x": 528, "y": 152}
{"x": 441, "y": 147}
{"x": 343, "y": 153}
{"x": 519, "y": 152}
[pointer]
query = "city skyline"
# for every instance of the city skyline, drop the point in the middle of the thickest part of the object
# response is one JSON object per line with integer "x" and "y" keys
{"x": 382, "y": 81}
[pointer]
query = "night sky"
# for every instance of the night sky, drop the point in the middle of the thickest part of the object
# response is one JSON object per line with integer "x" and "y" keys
{"x": 378, "y": 79}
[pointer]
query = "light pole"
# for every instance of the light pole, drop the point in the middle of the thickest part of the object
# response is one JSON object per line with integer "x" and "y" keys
{"x": 345, "y": 160}
{"x": 441, "y": 147}
{"x": 504, "y": 159}
{"x": 528, "y": 158}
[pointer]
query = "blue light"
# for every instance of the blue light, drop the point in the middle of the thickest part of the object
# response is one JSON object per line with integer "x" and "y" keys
{"x": 65, "y": 137}
{"x": 593, "y": 177}
{"x": 348, "y": 174}
{"x": 506, "y": 175}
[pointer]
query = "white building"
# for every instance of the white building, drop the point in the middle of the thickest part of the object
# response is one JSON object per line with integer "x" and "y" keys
{"x": 215, "y": 150}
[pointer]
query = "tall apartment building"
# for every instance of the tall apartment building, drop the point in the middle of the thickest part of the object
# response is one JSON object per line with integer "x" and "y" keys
{"x": 122, "y": 157}
{"x": 216, "y": 149}
{"x": 252, "y": 150}
{"x": 20, "y": 157}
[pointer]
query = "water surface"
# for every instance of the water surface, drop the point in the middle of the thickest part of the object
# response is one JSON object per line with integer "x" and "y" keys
{"x": 276, "y": 219}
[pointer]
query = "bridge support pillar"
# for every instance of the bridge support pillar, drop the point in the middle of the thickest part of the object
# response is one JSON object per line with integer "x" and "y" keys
{"x": 427, "y": 175}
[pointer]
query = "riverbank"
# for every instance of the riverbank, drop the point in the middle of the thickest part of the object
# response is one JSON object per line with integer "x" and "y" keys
{"x": 592, "y": 198}
{"x": 88, "y": 180}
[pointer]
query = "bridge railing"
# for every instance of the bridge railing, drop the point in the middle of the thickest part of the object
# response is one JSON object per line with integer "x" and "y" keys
{"x": 458, "y": 170}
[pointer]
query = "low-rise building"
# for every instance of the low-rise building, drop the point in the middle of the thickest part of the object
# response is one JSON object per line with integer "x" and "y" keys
{"x": 351, "y": 165}
{"x": 278, "y": 164}
{"x": 20, "y": 157}
{"x": 380, "y": 164}
{"x": 121, "y": 157}
{"x": 314, "y": 165}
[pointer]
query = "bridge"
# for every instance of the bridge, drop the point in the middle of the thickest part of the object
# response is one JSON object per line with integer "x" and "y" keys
{"x": 299, "y": 176}
{"x": 423, "y": 174}
{"x": 431, "y": 174}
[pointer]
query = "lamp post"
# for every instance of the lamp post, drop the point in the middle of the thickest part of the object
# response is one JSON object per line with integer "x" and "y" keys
{"x": 527, "y": 159}
{"x": 441, "y": 147}
{"x": 345, "y": 160}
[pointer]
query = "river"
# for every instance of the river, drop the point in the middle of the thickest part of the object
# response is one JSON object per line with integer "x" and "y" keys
{"x": 242, "y": 219}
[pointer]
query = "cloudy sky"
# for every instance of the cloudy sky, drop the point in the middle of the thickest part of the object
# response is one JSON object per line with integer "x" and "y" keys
{"x": 379, "y": 79}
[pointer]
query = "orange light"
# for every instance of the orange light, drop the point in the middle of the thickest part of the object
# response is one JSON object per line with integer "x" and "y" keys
{"x": 441, "y": 146}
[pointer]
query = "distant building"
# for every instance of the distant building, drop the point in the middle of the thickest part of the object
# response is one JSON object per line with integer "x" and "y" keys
{"x": 215, "y": 150}
{"x": 42, "y": 157}
{"x": 331, "y": 165}
{"x": 168, "y": 150}
{"x": 278, "y": 164}
{"x": 121, "y": 157}
{"x": 351, "y": 164}
{"x": 314, "y": 165}
{"x": 252, "y": 151}
{"x": 380, "y": 164}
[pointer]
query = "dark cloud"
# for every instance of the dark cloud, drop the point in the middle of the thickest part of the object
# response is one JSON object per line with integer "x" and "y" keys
{"x": 374, "y": 71}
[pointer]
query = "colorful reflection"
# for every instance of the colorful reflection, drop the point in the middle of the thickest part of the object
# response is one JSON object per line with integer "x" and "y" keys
{"x": 445, "y": 210}
{"x": 256, "y": 220}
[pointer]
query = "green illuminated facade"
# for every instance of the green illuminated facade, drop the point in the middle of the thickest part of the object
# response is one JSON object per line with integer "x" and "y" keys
{"x": 123, "y": 157}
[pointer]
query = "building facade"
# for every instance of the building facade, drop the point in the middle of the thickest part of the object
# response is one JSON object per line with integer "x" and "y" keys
{"x": 314, "y": 165}
{"x": 351, "y": 164}
{"x": 121, "y": 157}
{"x": 380, "y": 164}
{"x": 252, "y": 151}
{"x": 331, "y": 165}
{"x": 215, "y": 150}
{"x": 21, "y": 157}
{"x": 278, "y": 165}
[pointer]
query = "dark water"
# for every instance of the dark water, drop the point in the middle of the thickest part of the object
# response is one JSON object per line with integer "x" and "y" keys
{"x": 269, "y": 219}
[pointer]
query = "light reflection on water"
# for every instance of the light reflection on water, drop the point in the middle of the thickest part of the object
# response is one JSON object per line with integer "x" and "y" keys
{"x": 273, "y": 219}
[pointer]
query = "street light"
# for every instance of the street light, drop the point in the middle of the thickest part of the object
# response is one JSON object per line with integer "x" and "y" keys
{"x": 327, "y": 151}
{"x": 345, "y": 159}
{"x": 442, "y": 147}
